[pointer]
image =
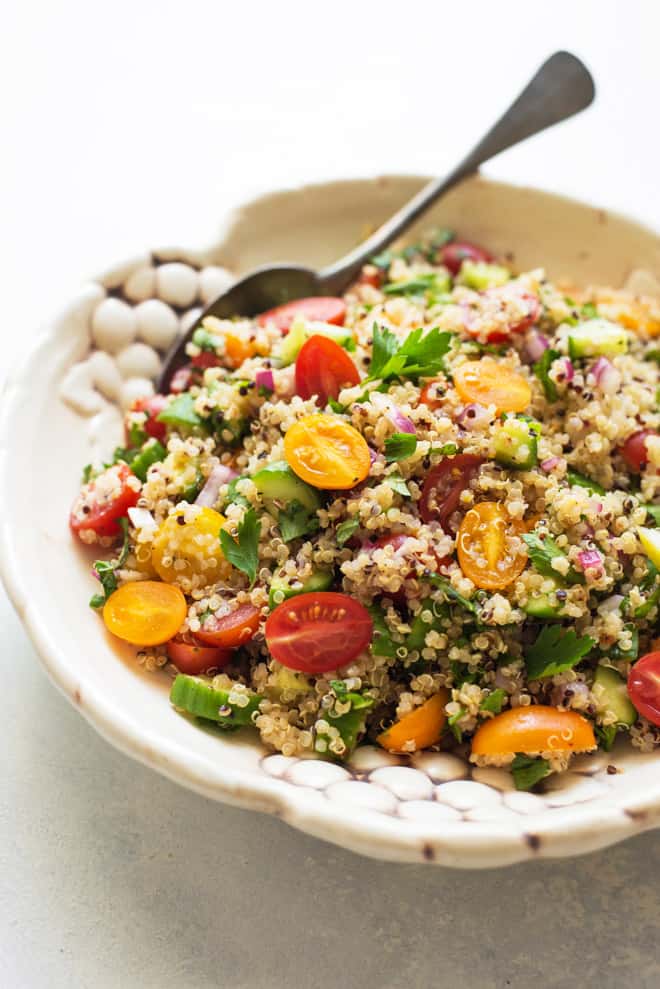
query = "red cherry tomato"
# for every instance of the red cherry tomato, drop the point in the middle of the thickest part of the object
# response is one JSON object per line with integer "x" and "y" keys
{"x": 103, "y": 501}
{"x": 443, "y": 486}
{"x": 190, "y": 658}
{"x": 323, "y": 368}
{"x": 371, "y": 275}
{"x": 153, "y": 406}
{"x": 232, "y": 630}
{"x": 634, "y": 450}
{"x": 206, "y": 358}
{"x": 453, "y": 255}
{"x": 327, "y": 309}
{"x": 318, "y": 632}
{"x": 430, "y": 397}
{"x": 644, "y": 686}
{"x": 181, "y": 380}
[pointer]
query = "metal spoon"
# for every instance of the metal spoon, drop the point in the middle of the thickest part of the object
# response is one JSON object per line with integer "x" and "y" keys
{"x": 562, "y": 87}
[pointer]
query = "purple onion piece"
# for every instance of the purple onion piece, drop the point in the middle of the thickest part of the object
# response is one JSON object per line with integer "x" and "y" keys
{"x": 473, "y": 415}
{"x": 569, "y": 370}
{"x": 220, "y": 475}
{"x": 549, "y": 464}
{"x": 373, "y": 456}
{"x": 264, "y": 378}
{"x": 590, "y": 558}
{"x": 607, "y": 377}
{"x": 535, "y": 346}
{"x": 401, "y": 423}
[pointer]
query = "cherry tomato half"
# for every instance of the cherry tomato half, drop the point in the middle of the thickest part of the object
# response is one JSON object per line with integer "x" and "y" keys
{"x": 232, "y": 630}
{"x": 453, "y": 255}
{"x": 205, "y": 358}
{"x": 191, "y": 658}
{"x": 327, "y": 452}
{"x": 537, "y": 728}
{"x": 145, "y": 612}
{"x": 634, "y": 450}
{"x": 323, "y": 368}
{"x": 182, "y": 549}
{"x": 644, "y": 686}
{"x": 318, "y": 632}
{"x": 443, "y": 487}
{"x": 489, "y": 550}
{"x": 105, "y": 500}
{"x": 181, "y": 380}
{"x": 429, "y": 395}
{"x": 419, "y": 729}
{"x": 327, "y": 309}
{"x": 490, "y": 382}
{"x": 152, "y": 406}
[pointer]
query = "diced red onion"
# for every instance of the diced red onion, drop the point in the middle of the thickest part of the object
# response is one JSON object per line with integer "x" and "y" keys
{"x": 220, "y": 475}
{"x": 141, "y": 518}
{"x": 607, "y": 377}
{"x": 264, "y": 379}
{"x": 373, "y": 456}
{"x": 569, "y": 370}
{"x": 473, "y": 415}
{"x": 562, "y": 695}
{"x": 590, "y": 559}
{"x": 549, "y": 464}
{"x": 401, "y": 423}
{"x": 535, "y": 345}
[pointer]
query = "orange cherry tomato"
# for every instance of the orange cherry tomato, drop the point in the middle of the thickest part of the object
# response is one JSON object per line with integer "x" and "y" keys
{"x": 537, "y": 728}
{"x": 145, "y": 612}
{"x": 323, "y": 368}
{"x": 232, "y": 630}
{"x": 238, "y": 349}
{"x": 191, "y": 658}
{"x": 421, "y": 728}
{"x": 429, "y": 395}
{"x": 181, "y": 549}
{"x": 326, "y": 452}
{"x": 489, "y": 552}
{"x": 490, "y": 383}
{"x": 327, "y": 309}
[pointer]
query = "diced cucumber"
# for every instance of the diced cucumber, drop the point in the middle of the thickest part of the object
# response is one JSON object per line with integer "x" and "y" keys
{"x": 480, "y": 275}
{"x": 544, "y": 605}
{"x": 609, "y": 690}
{"x": 279, "y": 485}
{"x": 516, "y": 443}
{"x": 597, "y": 337}
{"x": 574, "y": 478}
{"x": 419, "y": 629}
{"x": 281, "y": 588}
{"x": 350, "y": 725}
{"x": 654, "y": 512}
{"x": 151, "y": 453}
{"x": 650, "y": 540}
{"x": 199, "y": 698}
{"x": 301, "y": 330}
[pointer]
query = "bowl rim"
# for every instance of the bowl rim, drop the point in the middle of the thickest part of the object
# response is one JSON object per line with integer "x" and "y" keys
{"x": 483, "y": 844}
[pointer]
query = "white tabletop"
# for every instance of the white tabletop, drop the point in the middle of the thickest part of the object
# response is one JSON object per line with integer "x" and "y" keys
{"x": 130, "y": 125}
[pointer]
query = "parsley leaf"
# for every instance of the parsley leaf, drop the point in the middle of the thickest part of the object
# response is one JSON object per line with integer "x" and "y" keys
{"x": 446, "y": 450}
{"x": 87, "y": 473}
{"x": 242, "y": 552}
{"x": 542, "y": 551}
{"x": 606, "y": 735}
{"x": 541, "y": 369}
{"x": 295, "y": 520}
{"x": 234, "y": 497}
{"x": 452, "y": 723}
{"x": 399, "y": 446}
{"x": 653, "y": 511}
{"x": 382, "y": 643}
{"x": 528, "y": 770}
{"x": 575, "y": 478}
{"x": 494, "y": 701}
{"x": 451, "y": 593}
{"x": 419, "y": 355}
{"x": 431, "y": 282}
{"x": 589, "y": 311}
{"x": 397, "y": 483}
{"x": 180, "y": 412}
{"x": 554, "y": 652}
{"x": 346, "y": 529}
{"x": 105, "y": 570}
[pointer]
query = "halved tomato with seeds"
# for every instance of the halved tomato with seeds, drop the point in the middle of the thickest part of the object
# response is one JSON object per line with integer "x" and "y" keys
{"x": 444, "y": 485}
{"x": 318, "y": 632}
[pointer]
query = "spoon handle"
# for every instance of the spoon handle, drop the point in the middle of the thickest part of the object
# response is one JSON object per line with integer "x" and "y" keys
{"x": 562, "y": 87}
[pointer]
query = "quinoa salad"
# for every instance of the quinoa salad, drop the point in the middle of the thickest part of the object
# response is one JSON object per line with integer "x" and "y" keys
{"x": 424, "y": 515}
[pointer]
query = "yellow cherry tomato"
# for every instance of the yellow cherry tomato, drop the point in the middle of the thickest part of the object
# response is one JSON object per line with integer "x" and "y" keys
{"x": 326, "y": 452}
{"x": 419, "y": 729}
{"x": 182, "y": 549}
{"x": 145, "y": 612}
{"x": 537, "y": 728}
{"x": 491, "y": 383}
{"x": 490, "y": 551}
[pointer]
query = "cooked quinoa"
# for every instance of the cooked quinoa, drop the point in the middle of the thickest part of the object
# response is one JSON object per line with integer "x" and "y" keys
{"x": 474, "y": 497}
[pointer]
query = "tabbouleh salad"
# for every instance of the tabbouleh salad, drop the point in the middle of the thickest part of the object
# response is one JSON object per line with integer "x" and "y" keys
{"x": 422, "y": 515}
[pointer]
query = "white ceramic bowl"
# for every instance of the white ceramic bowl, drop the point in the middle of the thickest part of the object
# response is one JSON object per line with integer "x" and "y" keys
{"x": 433, "y": 810}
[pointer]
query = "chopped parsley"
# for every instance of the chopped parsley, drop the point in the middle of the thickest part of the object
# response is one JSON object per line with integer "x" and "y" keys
{"x": 399, "y": 446}
{"x": 242, "y": 552}
{"x": 575, "y": 478}
{"x": 654, "y": 512}
{"x": 87, "y": 473}
{"x": 494, "y": 701}
{"x": 606, "y": 735}
{"x": 105, "y": 570}
{"x": 541, "y": 370}
{"x": 382, "y": 643}
{"x": 180, "y": 412}
{"x": 419, "y": 285}
{"x": 346, "y": 529}
{"x": 419, "y": 355}
{"x": 234, "y": 497}
{"x": 589, "y": 311}
{"x": 397, "y": 483}
{"x": 452, "y": 723}
{"x": 555, "y": 651}
{"x": 542, "y": 552}
{"x": 528, "y": 770}
{"x": 295, "y": 520}
{"x": 451, "y": 593}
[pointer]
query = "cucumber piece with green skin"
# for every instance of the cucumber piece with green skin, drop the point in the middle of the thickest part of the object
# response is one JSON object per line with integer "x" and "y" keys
{"x": 282, "y": 590}
{"x": 197, "y": 697}
{"x": 544, "y": 605}
{"x": 419, "y": 629}
{"x": 350, "y": 725}
{"x": 596, "y": 338}
{"x": 516, "y": 443}
{"x": 301, "y": 330}
{"x": 151, "y": 453}
{"x": 481, "y": 275}
{"x": 277, "y": 483}
{"x": 609, "y": 689}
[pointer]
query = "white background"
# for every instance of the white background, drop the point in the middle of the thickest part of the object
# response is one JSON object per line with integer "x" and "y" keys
{"x": 127, "y": 125}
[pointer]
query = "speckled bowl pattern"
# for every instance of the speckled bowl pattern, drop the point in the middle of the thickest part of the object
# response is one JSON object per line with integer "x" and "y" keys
{"x": 103, "y": 351}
